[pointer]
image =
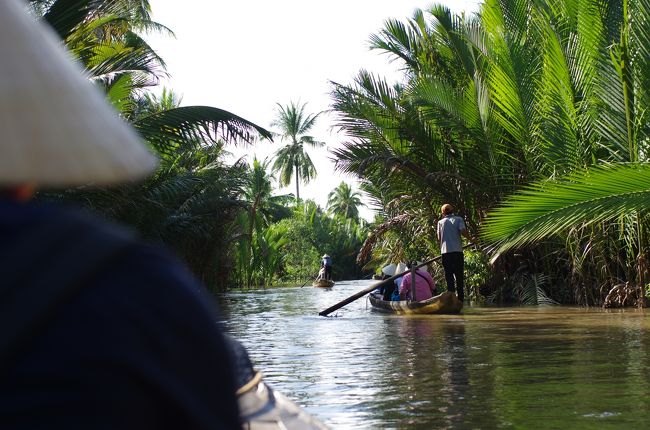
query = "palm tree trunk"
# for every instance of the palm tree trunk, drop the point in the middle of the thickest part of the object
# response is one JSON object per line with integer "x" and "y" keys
{"x": 251, "y": 226}
{"x": 297, "y": 184}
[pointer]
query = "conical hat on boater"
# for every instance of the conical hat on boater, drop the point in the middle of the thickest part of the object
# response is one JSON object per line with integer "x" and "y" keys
{"x": 389, "y": 270}
{"x": 401, "y": 268}
{"x": 56, "y": 128}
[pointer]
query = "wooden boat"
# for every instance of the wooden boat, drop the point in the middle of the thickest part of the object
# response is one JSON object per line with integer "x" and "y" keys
{"x": 323, "y": 283}
{"x": 445, "y": 303}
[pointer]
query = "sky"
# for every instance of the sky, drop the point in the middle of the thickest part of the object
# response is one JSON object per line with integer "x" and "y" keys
{"x": 247, "y": 56}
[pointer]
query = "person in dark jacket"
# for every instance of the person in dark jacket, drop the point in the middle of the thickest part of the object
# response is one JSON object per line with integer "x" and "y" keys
{"x": 132, "y": 343}
{"x": 99, "y": 330}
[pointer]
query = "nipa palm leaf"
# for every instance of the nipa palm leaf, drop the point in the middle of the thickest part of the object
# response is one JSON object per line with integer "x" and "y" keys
{"x": 547, "y": 208}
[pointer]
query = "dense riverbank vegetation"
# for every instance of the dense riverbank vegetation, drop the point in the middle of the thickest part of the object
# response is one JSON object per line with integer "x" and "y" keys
{"x": 546, "y": 100}
{"x": 529, "y": 116}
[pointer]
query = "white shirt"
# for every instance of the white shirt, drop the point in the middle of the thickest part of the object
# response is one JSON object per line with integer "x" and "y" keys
{"x": 449, "y": 229}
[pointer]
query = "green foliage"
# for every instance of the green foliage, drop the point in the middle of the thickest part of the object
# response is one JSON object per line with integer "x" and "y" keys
{"x": 302, "y": 258}
{"x": 529, "y": 291}
{"x": 288, "y": 249}
{"x": 309, "y": 233}
{"x": 583, "y": 198}
{"x": 544, "y": 99}
{"x": 476, "y": 273}
{"x": 259, "y": 248}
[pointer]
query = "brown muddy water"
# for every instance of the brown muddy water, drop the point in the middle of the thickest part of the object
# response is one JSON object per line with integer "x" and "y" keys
{"x": 503, "y": 368}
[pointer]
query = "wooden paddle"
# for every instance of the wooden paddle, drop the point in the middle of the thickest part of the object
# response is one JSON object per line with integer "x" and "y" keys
{"x": 306, "y": 282}
{"x": 375, "y": 286}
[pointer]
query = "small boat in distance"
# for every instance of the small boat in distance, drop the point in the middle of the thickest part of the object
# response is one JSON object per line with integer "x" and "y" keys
{"x": 323, "y": 283}
{"x": 445, "y": 303}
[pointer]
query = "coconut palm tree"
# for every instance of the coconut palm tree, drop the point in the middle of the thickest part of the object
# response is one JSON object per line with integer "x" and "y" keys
{"x": 262, "y": 208}
{"x": 344, "y": 202}
{"x": 293, "y": 159}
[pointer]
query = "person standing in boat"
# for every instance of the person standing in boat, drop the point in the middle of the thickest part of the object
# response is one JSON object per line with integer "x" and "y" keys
{"x": 425, "y": 286}
{"x": 449, "y": 231}
{"x": 326, "y": 264}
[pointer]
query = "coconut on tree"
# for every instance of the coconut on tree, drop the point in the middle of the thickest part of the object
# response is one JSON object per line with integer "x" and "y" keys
{"x": 292, "y": 159}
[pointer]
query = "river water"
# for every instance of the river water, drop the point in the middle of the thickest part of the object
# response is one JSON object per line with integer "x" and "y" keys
{"x": 512, "y": 368}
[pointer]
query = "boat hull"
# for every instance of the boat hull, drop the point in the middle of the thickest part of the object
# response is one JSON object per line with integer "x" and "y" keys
{"x": 323, "y": 283}
{"x": 445, "y": 303}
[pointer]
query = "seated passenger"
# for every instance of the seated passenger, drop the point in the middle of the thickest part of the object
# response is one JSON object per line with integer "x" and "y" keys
{"x": 398, "y": 283}
{"x": 425, "y": 286}
{"x": 391, "y": 288}
{"x": 386, "y": 272}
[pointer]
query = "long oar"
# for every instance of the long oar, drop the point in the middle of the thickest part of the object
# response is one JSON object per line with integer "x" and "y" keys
{"x": 375, "y": 286}
{"x": 308, "y": 279}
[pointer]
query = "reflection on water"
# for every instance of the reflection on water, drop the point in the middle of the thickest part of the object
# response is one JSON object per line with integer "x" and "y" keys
{"x": 549, "y": 367}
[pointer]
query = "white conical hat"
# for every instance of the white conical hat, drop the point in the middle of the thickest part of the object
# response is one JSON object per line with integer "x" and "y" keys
{"x": 56, "y": 129}
{"x": 389, "y": 270}
{"x": 401, "y": 268}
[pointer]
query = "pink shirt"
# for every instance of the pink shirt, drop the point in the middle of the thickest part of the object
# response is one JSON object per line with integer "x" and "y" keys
{"x": 424, "y": 285}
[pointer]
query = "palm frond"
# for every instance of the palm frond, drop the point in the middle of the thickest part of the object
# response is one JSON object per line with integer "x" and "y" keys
{"x": 529, "y": 290}
{"x": 400, "y": 41}
{"x": 547, "y": 208}
{"x": 194, "y": 125}
{"x": 64, "y": 16}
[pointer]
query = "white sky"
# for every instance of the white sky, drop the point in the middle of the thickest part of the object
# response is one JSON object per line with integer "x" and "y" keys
{"x": 245, "y": 56}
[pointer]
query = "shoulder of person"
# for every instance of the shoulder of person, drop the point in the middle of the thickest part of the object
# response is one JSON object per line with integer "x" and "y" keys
{"x": 458, "y": 219}
{"x": 145, "y": 268}
{"x": 142, "y": 310}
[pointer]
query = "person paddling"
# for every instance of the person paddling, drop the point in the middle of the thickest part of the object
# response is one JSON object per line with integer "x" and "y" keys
{"x": 326, "y": 264}
{"x": 449, "y": 231}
